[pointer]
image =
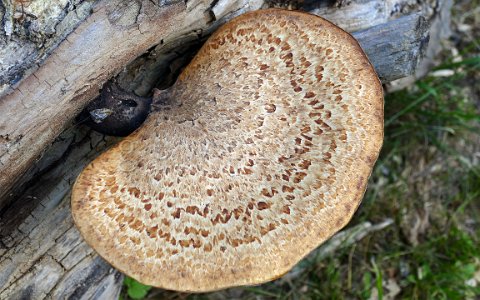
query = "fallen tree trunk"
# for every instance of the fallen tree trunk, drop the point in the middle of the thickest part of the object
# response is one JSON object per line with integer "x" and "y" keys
{"x": 42, "y": 106}
{"x": 41, "y": 253}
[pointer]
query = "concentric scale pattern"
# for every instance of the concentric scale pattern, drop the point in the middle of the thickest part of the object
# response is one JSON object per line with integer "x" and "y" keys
{"x": 263, "y": 153}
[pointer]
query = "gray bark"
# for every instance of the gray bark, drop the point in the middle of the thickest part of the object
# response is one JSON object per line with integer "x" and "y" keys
{"x": 395, "y": 48}
{"x": 32, "y": 32}
{"x": 41, "y": 253}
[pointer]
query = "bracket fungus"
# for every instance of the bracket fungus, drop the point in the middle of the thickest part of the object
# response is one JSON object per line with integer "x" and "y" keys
{"x": 262, "y": 154}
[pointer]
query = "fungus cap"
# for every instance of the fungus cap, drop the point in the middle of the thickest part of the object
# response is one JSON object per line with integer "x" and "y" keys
{"x": 263, "y": 154}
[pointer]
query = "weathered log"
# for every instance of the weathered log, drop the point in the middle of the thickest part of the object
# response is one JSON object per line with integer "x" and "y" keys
{"x": 439, "y": 22}
{"x": 394, "y": 49}
{"x": 41, "y": 253}
{"x": 32, "y": 32}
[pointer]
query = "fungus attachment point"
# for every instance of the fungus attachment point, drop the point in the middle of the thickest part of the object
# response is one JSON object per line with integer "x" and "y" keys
{"x": 267, "y": 154}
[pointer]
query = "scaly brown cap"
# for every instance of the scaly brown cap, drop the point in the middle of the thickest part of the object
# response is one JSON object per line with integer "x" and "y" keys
{"x": 265, "y": 153}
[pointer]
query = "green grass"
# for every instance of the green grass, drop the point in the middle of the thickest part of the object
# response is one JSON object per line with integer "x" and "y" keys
{"x": 443, "y": 264}
{"x": 431, "y": 125}
{"x": 134, "y": 289}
